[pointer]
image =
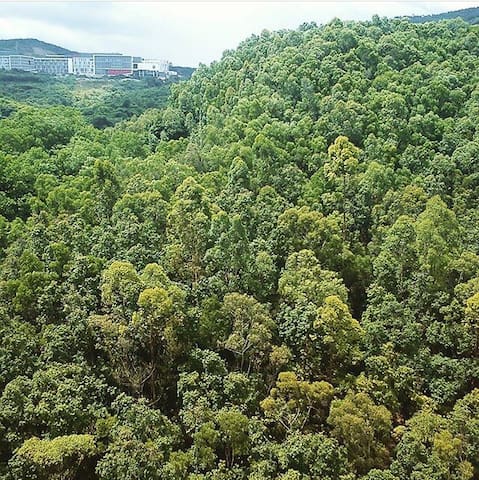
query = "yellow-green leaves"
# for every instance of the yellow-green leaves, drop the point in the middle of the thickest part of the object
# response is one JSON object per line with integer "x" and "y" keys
{"x": 60, "y": 458}
{"x": 339, "y": 332}
{"x": 471, "y": 321}
{"x": 295, "y": 404}
{"x": 250, "y": 329}
{"x": 364, "y": 428}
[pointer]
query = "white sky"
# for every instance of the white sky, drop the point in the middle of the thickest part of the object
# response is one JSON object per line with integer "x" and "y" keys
{"x": 186, "y": 33}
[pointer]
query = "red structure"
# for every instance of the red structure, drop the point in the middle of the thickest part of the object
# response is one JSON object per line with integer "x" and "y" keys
{"x": 118, "y": 72}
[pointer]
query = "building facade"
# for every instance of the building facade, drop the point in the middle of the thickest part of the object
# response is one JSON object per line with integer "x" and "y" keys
{"x": 151, "y": 68}
{"x": 5, "y": 62}
{"x": 52, "y": 65}
{"x": 112, "y": 65}
{"x": 22, "y": 62}
{"x": 89, "y": 65}
{"x": 81, "y": 66}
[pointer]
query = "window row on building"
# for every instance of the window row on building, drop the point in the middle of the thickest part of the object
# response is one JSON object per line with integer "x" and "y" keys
{"x": 94, "y": 65}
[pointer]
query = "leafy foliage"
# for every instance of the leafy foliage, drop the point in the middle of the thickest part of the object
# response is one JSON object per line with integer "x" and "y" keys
{"x": 274, "y": 276}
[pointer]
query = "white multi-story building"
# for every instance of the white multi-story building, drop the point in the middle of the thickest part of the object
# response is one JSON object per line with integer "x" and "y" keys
{"x": 151, "y": 68}
{"x": 88, "y": 65}
{"x": 22, "y": 62}
{"x": 5, "y": 62}
{"x": 81, "y": 66}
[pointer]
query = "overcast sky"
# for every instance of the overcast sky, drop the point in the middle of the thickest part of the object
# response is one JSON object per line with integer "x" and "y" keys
{"x": 186, "y": 33}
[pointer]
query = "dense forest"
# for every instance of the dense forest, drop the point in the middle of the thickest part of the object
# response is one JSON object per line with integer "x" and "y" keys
{"x": 274, "y": 277}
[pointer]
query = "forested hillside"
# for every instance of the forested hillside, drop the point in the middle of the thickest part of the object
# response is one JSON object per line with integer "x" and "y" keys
{"x": 276, "y": 277}
{"x": 102, "y": 101}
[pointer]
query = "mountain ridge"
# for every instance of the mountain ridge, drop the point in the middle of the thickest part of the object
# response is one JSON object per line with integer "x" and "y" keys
{"x": 33, "y": 47}
{"x": 470, "y": 15}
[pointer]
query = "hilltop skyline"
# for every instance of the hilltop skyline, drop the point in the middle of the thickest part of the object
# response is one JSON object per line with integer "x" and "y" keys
{"x": 196, "y": 32}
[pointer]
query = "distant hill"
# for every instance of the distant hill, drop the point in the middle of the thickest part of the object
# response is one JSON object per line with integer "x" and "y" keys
{"x": 31, "y": 46}
{"x": 183, "y": 72}
{"x": 470, "y": 15}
